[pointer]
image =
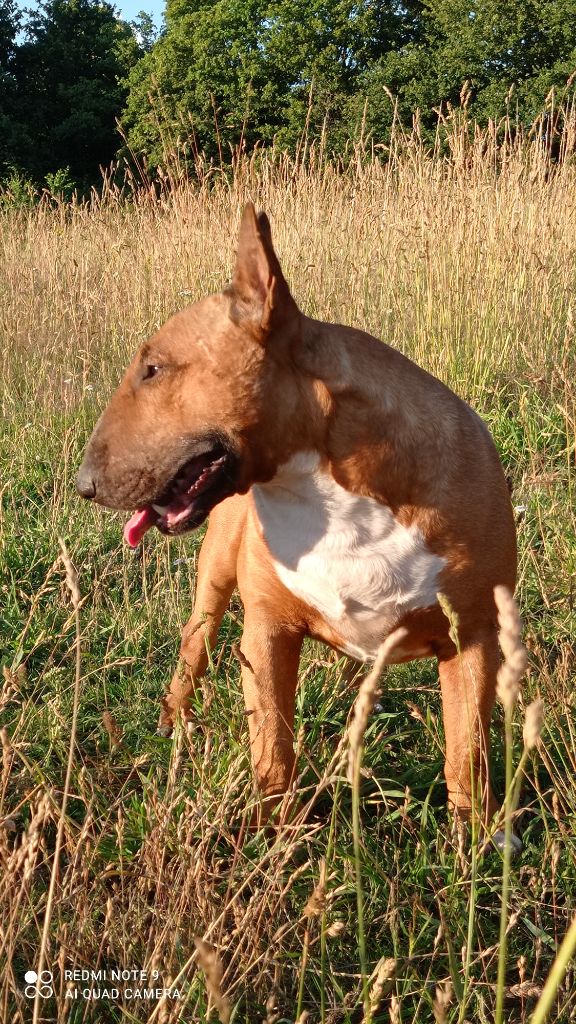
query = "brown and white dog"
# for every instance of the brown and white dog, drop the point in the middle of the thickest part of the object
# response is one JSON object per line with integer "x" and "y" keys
{"x": 347, "y": 488}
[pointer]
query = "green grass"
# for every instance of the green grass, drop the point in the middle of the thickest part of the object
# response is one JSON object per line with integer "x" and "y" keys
{"x": 150, "y": 855}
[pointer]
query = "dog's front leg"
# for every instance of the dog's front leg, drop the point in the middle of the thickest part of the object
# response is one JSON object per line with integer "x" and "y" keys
{"x": 270, "y": 660}
{"x": 198, "y": 637}
{"x": 215, "y": 582}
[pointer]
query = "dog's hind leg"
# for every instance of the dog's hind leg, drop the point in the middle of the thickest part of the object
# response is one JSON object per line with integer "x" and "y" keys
{"x": 215, "y": 581}
{"x": 468, "y": 683}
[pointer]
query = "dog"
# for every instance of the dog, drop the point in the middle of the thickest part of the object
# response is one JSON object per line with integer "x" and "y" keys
{"x": 347, "y": 488}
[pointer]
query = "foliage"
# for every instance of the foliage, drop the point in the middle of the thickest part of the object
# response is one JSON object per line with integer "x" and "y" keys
{"x": 529, "y": 45}
{"x": 17, "y": 190}
{"x": 9, "y": 24}
{"x": 225, "y": 75}
{"x": 502, "y": 60}
{"x": 66, "y": 89}
{"x": 248, "y": 71}
{"x": 251, "y": 70}
{"x": 145, "y": 31}
{"x": 207, "y": 64}
{"x": 60, "y": 185}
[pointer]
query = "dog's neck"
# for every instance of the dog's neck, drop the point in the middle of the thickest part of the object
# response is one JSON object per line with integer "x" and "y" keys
{"x": 349, "y": 383}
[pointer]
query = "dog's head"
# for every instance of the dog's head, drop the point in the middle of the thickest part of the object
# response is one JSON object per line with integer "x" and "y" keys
{"x": 203, "y": 409}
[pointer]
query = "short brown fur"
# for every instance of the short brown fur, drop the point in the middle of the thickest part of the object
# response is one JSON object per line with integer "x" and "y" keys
{"x": 248, "y": 364}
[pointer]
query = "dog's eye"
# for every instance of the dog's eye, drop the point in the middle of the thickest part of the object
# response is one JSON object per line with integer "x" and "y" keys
{"x": 150, "y": 371}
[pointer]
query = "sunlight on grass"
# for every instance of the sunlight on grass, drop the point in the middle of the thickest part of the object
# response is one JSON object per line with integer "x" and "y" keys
{"x": 467, "y": 263}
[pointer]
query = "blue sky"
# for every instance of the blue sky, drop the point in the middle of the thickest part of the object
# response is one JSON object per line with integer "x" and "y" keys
{"x": 130, "y": 8}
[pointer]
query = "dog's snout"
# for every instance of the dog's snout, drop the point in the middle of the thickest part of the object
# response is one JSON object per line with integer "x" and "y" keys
{"x": 85, "y": 482}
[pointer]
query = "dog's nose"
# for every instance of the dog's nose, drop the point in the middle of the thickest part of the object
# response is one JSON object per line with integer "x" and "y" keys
{"x": 85, "y": 483}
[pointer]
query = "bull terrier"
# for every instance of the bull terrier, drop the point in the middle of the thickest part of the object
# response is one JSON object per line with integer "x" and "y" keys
{"x": 347, "y": 488}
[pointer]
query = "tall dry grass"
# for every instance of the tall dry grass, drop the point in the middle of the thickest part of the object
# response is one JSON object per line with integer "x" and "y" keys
{"x": 465, "y": 258}
{"x": 466, "y": 261}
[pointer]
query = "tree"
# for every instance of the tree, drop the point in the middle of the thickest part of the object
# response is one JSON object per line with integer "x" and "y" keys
{"x": 511, "y": 55}
{"x": 144, "y": 30}
{"x": 9, "y": 24}
{"x": 529, "y": 45}
{"x": 70, "y": 74}
{"x": 323, "y": 47}
{"x": 227, "y": 71}
{"x": 224, "y": 73}
{"x": 205, "y": 80}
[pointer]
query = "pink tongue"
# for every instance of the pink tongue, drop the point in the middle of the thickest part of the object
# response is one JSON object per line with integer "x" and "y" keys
{"x": 139, "y": 524}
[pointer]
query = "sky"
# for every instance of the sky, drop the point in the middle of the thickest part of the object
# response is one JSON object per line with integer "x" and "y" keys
{"x": 128, "y": 9}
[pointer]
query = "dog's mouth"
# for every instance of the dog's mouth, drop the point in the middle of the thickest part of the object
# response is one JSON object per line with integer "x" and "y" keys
{"x": 200, "y": 484}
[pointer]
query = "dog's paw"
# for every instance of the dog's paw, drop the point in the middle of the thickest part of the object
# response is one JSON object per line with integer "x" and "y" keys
{"x": 497, "y": 841}
{"x": 165, "y": 727}
{"x": 171, "y": 712}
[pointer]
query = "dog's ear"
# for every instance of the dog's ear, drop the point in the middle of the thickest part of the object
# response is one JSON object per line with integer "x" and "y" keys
{"x": 259, "y": 287}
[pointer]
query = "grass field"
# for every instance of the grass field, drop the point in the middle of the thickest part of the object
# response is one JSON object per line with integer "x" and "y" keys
{"x": 468, "y": 265}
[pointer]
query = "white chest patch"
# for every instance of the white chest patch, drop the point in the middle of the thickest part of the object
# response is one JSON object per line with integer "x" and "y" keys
{"x": 343, "y": 554}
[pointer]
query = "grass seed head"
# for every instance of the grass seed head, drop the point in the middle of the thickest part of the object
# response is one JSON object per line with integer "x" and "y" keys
{"x": 514, "y": 665}
{"x": 210, "y": 963}
{"x": 533, "y": 722}
{"x": 367, "y": 696}
{"x": 442, "y": 1000}
{"x": 383, "y": 979}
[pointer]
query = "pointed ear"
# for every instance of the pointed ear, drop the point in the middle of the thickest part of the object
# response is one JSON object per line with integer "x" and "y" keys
{"x": 258, "y": 285}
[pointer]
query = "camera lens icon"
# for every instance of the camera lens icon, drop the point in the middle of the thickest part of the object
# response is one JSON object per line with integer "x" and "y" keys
{"x": 38, "y": 983}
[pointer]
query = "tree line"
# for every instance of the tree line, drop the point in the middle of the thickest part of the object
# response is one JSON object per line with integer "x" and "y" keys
{"x": 80, "y": 86}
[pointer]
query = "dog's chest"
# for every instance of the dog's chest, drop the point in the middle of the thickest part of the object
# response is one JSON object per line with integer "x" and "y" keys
{"x": 344, "y": 555}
